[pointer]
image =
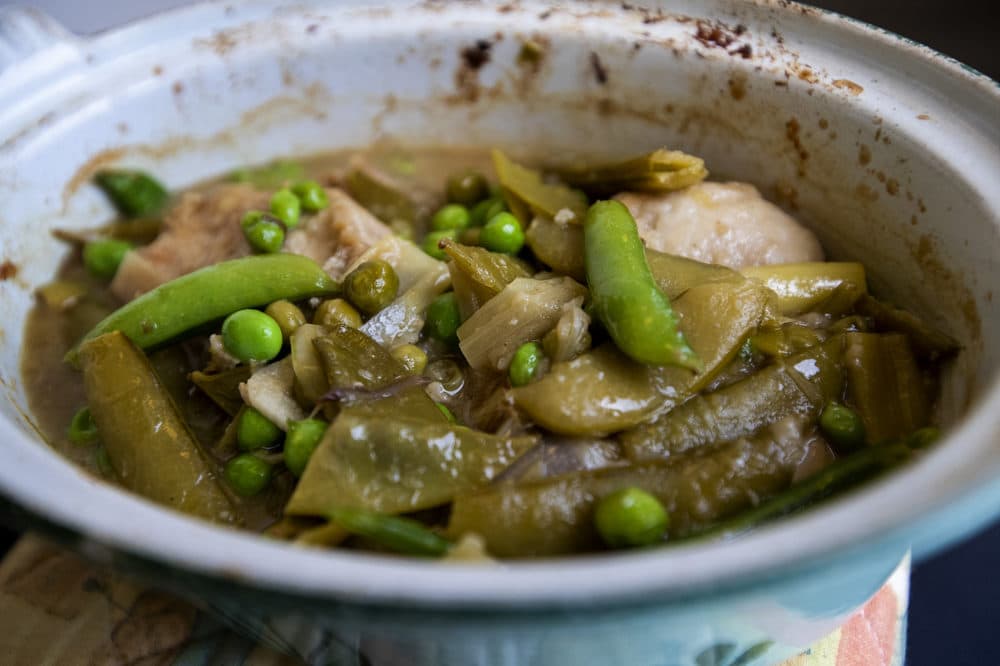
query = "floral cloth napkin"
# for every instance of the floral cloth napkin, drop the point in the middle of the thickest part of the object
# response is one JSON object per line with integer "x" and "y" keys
{"x": 57, "y": 609}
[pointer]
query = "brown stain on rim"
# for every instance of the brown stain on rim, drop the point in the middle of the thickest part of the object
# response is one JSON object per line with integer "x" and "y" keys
{"x": 737, "y": 86}
{"x": 8, "y": 270}
{"x": 89, "y": 168}
{"x": 864, "y": 155}
{"x": 849, "y": 86}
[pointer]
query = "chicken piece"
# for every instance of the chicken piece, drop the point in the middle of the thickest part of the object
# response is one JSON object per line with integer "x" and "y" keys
{"x": 721, "y": 223}
{"x": 202, "y": 229}
{"x": 338, "y": 235}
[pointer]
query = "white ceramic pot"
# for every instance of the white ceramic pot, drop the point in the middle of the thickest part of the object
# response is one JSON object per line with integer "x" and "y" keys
{"x": 887, "y": 149}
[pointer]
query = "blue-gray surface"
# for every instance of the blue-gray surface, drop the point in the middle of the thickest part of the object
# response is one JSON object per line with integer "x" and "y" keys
{"x": 954, "y": 599}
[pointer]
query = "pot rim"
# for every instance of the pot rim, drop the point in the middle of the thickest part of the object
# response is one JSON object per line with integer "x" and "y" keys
{"x": 797, "y": 546}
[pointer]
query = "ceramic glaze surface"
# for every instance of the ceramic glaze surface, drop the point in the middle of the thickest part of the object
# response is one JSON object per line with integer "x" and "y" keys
{"x": 888, "y": 151}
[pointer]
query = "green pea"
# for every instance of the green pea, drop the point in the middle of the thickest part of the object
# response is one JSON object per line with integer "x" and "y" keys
{"x": 82, "y": 429}
{"x": 371, "y": 286}
{"x": 247, "y": 474}
{"x": 337, "y": 311}
{"x": 451, "y": 216}
{"x": 410, "y": 357}
{"x": 311, "y": 195}
{"x": 288, "y": 315}
{"x": 467, "y": 187}
{"x": 630, "y": 517}
{"x": 843, "y": 427}
{"x": 286, "y": 207}
{"x": 502, "y": 233}
{"x": 302, "y": 439}
{"x": 252, "y": 217}
{"x": 485, "y": 210}
{"x": 255, "y": 431}
{"x": 432, "y": 240}
{"x": 250, "y": 335}
{"x": 525, "y": 364}
{"x": 265, "y": 237}
{"x": 444, "y": 318}
{"x": 103, "y": 257}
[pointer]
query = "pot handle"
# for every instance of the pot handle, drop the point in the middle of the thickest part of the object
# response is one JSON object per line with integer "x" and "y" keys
{"x": 33, "y": 44}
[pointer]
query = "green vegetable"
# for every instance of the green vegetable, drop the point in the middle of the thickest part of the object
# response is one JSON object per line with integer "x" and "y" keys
{"x": 183, "y": 304}
{"x": 467, "y": 188}
{"x": 630, "y": 518}
{"x": 150, "y": 447}
{"x": 255, "y": 431}
{"x": 82, "y": 429}
{"x": 444, "y": 318}
{"x": 337, "y": 311}
{"x": 388, "y": 200}
{"x": 310, "y": 376}
{"x": 829, "y": 287}
{"x": 288, "y": 316}
{"x": 842, "y": 427}
{"x": 451, "y": 216}
{"x": 253, "y": 217}
{"x": 799, "y": 386}
{"x": 526, "y": 187}
{"x": 525, "y": 310}
{"x": 247, "y": 474}
{"x": 411, "y": 357}
{"x": 432, "y": 242}
{"x": 265, "y": 237}
{"x": 133, "y": 193}
{"x": 312, "y": 196}
{"x": 302, "y": 439}
{"x": 559, "y": 246}
{"x": 286, "y": 207}
{"x": 675, "y": 275}
{"x": 380, "y": 459}
{"x": 884, "y": 385}
{"x": 924, "y": 437}
{"x": 838, "y": 476}
{"x": 447, "y": 413}
{"x": 371, "y": 286}
{"x": 659, "y": 171}
{"x": 269, "y": 176}
{"x": 485, "y": 210}
{"x": 478, "y": 275}
{"x": 250, "y": 335}
{"x": 223, "y": 387}
{"x": 555, "y": 516}
{"x": 402, "y": 535}
{"x": 525, "y": 364}
{"x": 626, "y": 299}
{"x": 502, "y": 233}
{"x": 103, "y": 257}
{"x": 927, "y": 342}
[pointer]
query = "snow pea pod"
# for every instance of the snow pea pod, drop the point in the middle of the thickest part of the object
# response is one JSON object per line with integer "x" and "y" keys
{"x": 626, "y": 299}
{"x": 211, "y": 293}
{"x": 151, "y": 448}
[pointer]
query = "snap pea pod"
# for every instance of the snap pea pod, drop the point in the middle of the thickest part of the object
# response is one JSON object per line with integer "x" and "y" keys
{"x": 626, "y": 299}
{"x": 555, "y": 516}
{"x": 526, "y": 187}
{"x": 223, "y": 387}
{"x": 840, "y": 475}
{"x": 134, "y": 193}
{"x": 211, "y": 293}
{"x": 402, "y": 535}
{"x": 150, "y": 447}
{"x": 659, "y": 171}
{"x": 373, "y": 459}
{"x": 800, "y": 386}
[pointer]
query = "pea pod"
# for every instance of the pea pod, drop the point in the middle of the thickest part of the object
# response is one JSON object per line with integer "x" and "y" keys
{"x": 402, "y": 535}
{"x": 827, "y": 286}
{"x": 659, "y": 171}
{"x": 211, "y": 293}
{"x": 626, "y": 299}
{"x": 374, "y": 461}
{"x": 555, "y": 516}
{"x": 840, "y": 475}
{"x": 151, "y": 448}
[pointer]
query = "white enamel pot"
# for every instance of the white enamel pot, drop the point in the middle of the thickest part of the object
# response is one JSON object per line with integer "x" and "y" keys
{"x": 888, "y": 150}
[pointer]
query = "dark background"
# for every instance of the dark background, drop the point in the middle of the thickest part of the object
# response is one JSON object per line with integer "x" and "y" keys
{"x": 954, "y": 603}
